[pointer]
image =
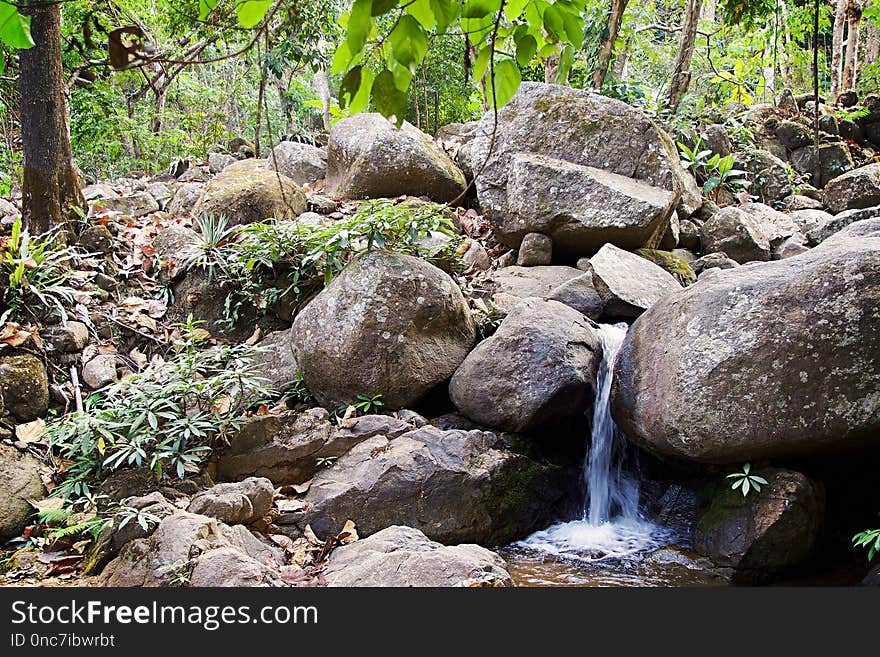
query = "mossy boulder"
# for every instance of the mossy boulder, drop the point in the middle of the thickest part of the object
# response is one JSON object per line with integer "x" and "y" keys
{"x": 20, "y": 481}
{"x": 764, "y": 532}
{"x": 671, "y": 262}
{"x": 25, "y": 387}
{"x": 247, "y": 192}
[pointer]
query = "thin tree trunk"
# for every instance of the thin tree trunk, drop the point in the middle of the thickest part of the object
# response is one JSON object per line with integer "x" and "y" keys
{"x": 816, "y": 7}
{"x": 619, "y": 68}
{"x": 785, "y": 64}
{"x": 851, "y": 60}
{"x": 681, "y": 71}
{"x": 551, "y": 68}
{"x": 606, "y": 47}
{"x": 323, "y": 87}
{"x": 837, "y": 47}
{"x": 260, "y": 95}
{"x": 51, "y": 187}
{"x": 872, "y": 43}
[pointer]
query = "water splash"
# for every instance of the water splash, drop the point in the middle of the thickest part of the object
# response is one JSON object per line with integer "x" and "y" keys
{"x": 610, "y": 526}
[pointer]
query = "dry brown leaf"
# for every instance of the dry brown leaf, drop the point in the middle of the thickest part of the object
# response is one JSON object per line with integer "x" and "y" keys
{"x": 138, "y": 358}
{"x": 147, "y": 322}
{"x": 348, "y": 534}
{"x": 282, "y": 541}
{"x": 48, "y": 504}
{"x": 30, "y": 432}
{"x": 311, "y": 538}
{"x": 349, "y": 420}
{"x": 156, "y": 308}
{"x": 288, "y": 505}
{"x": 222, "y": 405}
{"x": 255, "y": 337}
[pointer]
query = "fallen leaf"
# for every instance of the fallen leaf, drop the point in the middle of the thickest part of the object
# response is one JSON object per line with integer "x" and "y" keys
{"x": 156, "y": 308}
{"x": 310, "y": 536}
{"x": 222, "y": 405}
{"x": 348, "y": 534}
{"x": 30, "y": 432}
{"x": 349, "y": 420}
{"x": 255, "y": 337}
{"x": 48, "y": 504}
{"x": 287, "y": 505}
{"x": 138, "y": 358}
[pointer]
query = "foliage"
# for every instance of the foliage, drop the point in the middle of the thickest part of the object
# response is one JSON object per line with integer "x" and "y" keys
{"x": 746, "y": 481}
{"x": 266, "y": 261}
{"x": 366, "y": 404}
{"x": 34, "y": 272}
{"x": 870, "y": 539}
{"x": 168, "y": 417}
{"x": 68, "y": 523}
{"x": 711, "y": 170}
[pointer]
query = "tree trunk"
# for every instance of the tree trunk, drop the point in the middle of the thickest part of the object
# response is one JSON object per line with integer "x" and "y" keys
{"x": 872, "y": 43}
{"x": 323, "y": 87}
{"x": 837, "y": 47}
{"x": 681, "y": 71}
{"x": 606, "y": 47}
{"x": 851, "y": 60}
{"x": 618, "y": 71}
{"x": 51, "y": 188}
{"x": 551, "y": 67}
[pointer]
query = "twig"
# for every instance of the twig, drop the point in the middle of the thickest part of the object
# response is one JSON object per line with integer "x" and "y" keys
{"x": 77, "y": 391}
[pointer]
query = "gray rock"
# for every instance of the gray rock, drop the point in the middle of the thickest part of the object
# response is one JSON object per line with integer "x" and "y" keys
{"x": 97, "y": 239}
{"x": 195, "y": 550}
{"x": 580, "y": 207}
{"x": 20, "y": 481}
{"x": 161, "y": 192}
{"x": 737, "y": 234}
{"x": 25, "y": 387}
{"x": 98, "y": 192}
{"x": 535, "y": 249}
{"x": 763, "y": 533}
{"x": 302, "y": 163}
{"x": 537, "y": 370}
{"x": 275, "y": 362}
{"x": 367, "y": 157}
{"x": 68, "y": 339}
{"x": 629, "y": 284}
{"x": 138, "y": 204}
{"x": 807, "y": 220}
{"x": 476, "y": 257}
{"x": 422, "y": 479}
{"x": 219, "y": 161}
{"x": 185, "y": 199}
{"x": 834, "y": 160}
{"x": 856, "y": 189}
{"x": 777, "y": 226}
{"x": 239, "y": 503}
{"x": 581, "y": 294}
{"x": 745, "y": 354}
{"x": 716, "y": 139}
{"x": 770, "y": 175}
{"x": 797, "y": 202}
{"x": 834, "y": 224}
{"x": 794, "y": 135}
{"x": 99, "y": 371}
{"x": 403, "y": 557}
{"x": 384, "y": 313}
{"x": 571, "y": 128}
{"x": 786, "y": 101}
{"x": 689, "y": 235}
{"x": 712, "y": 261}
{"x": 246, "y": 192}
{"x": 790, "y": 247}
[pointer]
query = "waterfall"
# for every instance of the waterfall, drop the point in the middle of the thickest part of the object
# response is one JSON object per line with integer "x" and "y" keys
{"x": 610, "y": 524}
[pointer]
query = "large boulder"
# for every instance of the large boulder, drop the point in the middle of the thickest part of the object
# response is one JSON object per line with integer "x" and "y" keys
{"x": 830, "y": 225}
{"x": 194, "y": 550}
{"x": 628, "y": 284}
{"x": 581, "y": 207}
{"x": 246, "y": 192}
{"x": 573, "y": 129}
{"x": 455, "y": 486}
{"x": 24, "y": 385}
{"x": 239, "y": 503}
{"x": 778, "y": 359}
{"x": 388, "y": 324}
{"x": 856, "y": 189}
{"x": 403, "y": 556}
{"x": 765, "y": 532}
{"x": 367, "y": 157}
{"x": 302, "y": 163}
{"x": 20, "y": 481}
{"x": 537, "y": 370}
{"x": 737, "y": 234}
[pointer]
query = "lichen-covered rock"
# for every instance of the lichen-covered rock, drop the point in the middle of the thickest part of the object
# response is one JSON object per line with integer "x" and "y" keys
{"x": 68, "y": 338}
{"x": 368, "y": 157}
{"x": 579, "y": 128}
{"x": 195, "y": 550}
{"x": 275, "y": 362}
{"x": 302, "y": 163}
{"x": 246, "y": 192}
{"x": 769, "y": 173}
{"x": 856, "y": 189}
{"x": 239, "y": 503}
{"x": 403, "y": 556}
{"x": 24, "y": 386}
{"x": 776, "y": 226}
{"x": 830, "y": 225}
{"x": 20, "y": 481}
{"x": 834, "y": 160}
{"x": 627, "y": 283}
{"x": 99, "y": 371}
{"x": 762, "y": 533}
{"x": 136, "y": 205}
{"x": 185, "y": 199}
{"x": 709, "y": 261}
{"x": 672, "y": 262}
{"x": 537, "y": 370}
{"x": 737, "y": 234}
{"x": 455, "y": 486}
{"x": 580, "y": 207}
{"x": 777, "y": 359}
{"x": 535, "y": 249}
{"x": 388, "y": 324}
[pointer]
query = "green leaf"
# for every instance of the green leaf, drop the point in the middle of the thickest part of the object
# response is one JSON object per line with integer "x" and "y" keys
{"x": 422, "y": 12}
{"x": 745, "y": 486}
{"x": 758, "y": 479}
{"x": 409, "y": 43}
{"x": 514, "y": 8}
{"x": 359, "y": 98}
{"x": 15, "y": 29}
{"x": 445, "y": 11}
{"x": 388, "y": 99}
{"x": 747, "y": 467}
{"x": 573, "y": 25}
{"x": 342, "y": 58}
{"x": 481, "y": 63}
{"x": 251, "y": 12}
{"x": 381, "y": 7}
{"x": 360, "y": 22}
{"x": 206, "y": 7}
{"x": 553, "y": 21}
{"x": 480, "y": 8}
{"x": 526, "y": 49}
{"x": 505, "y": 83}
{"x": 566, "y": 61}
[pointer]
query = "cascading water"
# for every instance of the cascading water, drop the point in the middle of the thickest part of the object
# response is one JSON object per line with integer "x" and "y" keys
{"x": 610, "y": 525}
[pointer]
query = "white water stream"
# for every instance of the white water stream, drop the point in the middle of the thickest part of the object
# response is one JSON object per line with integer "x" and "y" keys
{"x": 610, "y": 525}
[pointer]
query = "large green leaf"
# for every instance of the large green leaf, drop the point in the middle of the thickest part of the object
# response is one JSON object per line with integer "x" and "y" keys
{"x": 354, "y": 91}
{"x": 445, "y": 11}
{"x": 388, "y": 99}
{"x": 526, "y": 48}
{"x": 422, "y": 12}
{"x": 505, "y": 83}
{"x": 15, "y": 29}
{"x": 480, "y": 8}
{"x": 381, "y": 7}
{"x": 409, "y": 43}
{"x": 206, "y": 7}
{"x": 360, "y": 22}
{"x": 251, "y": 12}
